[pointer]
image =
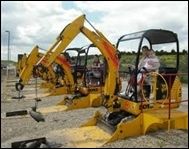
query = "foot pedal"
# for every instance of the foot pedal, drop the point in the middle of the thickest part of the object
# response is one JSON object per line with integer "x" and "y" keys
{"x": 18, "y": 97}
{"x": 32, "y": 143}
{"x": 16, "y": 113}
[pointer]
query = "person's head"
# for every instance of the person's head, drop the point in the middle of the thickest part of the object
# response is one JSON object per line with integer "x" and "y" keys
{"x": 96, "y": 57}
{"x": 145, "y": 50}
{"x": 96, "y": 60}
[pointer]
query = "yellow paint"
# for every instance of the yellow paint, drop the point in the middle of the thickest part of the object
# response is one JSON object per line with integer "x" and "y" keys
{"x": 83, "y": 137}
{"x": 149, "y": 120}
{"x": 39, "y": 95}
{"x": 51, "y": 109}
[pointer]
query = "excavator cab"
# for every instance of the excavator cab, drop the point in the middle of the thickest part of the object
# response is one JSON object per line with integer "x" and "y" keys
{"x": 84, "y": 67}
{"x": 75, "y": 56}
{"x": 164, "y": 79}
{"x": 96, "y": 68}
{"x": 80, "y": 60}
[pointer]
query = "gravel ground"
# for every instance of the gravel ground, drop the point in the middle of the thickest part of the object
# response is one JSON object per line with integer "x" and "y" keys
{"x": 16, "y": 129}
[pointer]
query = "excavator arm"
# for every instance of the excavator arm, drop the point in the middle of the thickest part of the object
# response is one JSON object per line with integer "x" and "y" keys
{"x": 98, "y": 39}
{"x": 31, "y": 61}
{"x": 62, "y": 41}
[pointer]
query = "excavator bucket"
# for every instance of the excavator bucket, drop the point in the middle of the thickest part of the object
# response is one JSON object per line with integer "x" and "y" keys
{"x": 58, "y": 91}
{"x": 96, "y": 132}
{"x": 51, "y": 109}
{"x": 33, "y": 95}
{"x": 46, "y": 85}
{"x": 74, "y": 102}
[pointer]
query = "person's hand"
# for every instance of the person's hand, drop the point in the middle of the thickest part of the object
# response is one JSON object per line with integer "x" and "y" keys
{"x": 130, "y": 65}
{"x": 144, "y": 70}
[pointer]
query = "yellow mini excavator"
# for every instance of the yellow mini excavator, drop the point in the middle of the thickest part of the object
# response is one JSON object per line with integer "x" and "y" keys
{"x": 78, "y": 70}
{"x": 47, "y": 74}
{"x": 131, "y": 113}
{"x": 84, "y": 95}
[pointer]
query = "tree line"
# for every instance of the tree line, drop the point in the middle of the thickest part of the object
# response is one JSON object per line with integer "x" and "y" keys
{"x": 161, "y": 52}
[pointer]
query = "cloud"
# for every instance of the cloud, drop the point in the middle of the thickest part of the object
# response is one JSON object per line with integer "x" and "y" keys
{"x": 127, "y": 17}
{"x": 32, "y": 23}
{"x": 39, "y": 23}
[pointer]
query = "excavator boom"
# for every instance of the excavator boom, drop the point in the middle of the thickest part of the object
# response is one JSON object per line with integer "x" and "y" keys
{"x": 98, "y": 39}
{"x": 62, "y": 41}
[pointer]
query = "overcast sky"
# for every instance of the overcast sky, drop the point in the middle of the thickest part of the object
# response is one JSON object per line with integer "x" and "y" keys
{"x": 39, "y": 23}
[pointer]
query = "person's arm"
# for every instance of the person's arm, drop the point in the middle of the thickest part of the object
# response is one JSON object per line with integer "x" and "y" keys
{"x": 140, "y": 64}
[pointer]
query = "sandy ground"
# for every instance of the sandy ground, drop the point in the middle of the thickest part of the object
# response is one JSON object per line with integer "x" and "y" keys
{"x": 17, "y": 129}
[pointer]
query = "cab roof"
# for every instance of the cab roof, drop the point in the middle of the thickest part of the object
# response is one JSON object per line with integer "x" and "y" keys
{"x": 154, "y": 36}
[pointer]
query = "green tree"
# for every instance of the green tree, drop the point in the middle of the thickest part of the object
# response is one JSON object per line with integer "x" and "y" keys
{"x": 173, "y": 51}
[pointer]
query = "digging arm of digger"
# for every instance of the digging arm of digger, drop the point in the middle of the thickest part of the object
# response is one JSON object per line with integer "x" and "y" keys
{"x": 98, "y": 39}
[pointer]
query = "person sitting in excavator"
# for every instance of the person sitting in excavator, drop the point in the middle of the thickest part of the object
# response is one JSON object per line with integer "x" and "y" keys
{"x": 96, "y": 61}
{"x": 148, "y": 63}
{"x": 95, "y": 74}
